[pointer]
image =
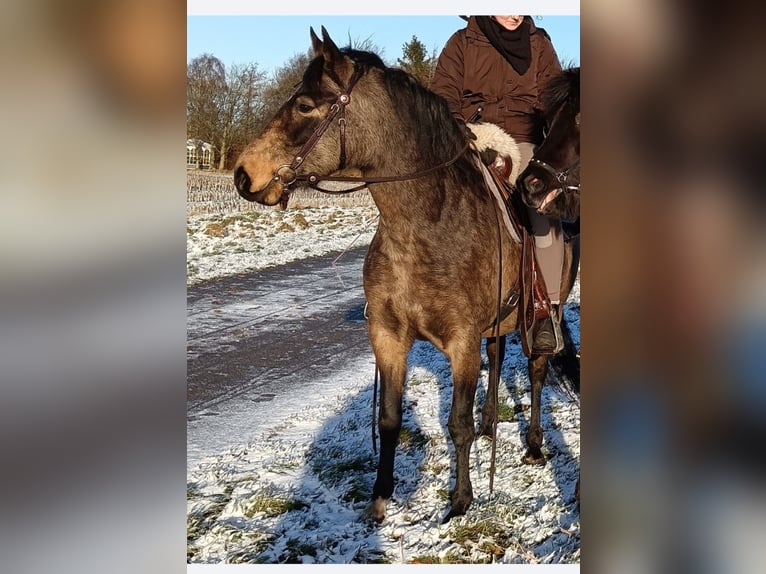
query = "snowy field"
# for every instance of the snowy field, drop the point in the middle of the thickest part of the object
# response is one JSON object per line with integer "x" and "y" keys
{"x": 227, "y": 245}
{"x": 296, "y": 492}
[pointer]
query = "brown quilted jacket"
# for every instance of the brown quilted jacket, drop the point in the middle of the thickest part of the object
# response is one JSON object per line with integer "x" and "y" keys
{"x": 471, "y": 73}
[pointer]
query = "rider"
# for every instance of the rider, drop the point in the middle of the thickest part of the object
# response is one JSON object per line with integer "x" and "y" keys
{"x": 500, "y": 63}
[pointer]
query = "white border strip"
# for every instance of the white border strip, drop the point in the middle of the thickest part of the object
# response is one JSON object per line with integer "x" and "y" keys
{"x": 389, "y": 8}
{"x": 380, "y": 568}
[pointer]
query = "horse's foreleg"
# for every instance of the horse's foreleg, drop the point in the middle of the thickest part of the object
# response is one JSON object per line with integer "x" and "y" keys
{"x": 538, "y": 369}
{"x": 465, "y": 372}
{"x": 496, "y": 356}
{"x": 391, "y": 357}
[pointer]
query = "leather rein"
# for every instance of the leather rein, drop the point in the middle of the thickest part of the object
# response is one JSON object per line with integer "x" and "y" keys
{"x": 288, "y": 175}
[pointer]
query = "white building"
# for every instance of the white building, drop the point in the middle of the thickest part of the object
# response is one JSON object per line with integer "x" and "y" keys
{"x": 199, "y": 154}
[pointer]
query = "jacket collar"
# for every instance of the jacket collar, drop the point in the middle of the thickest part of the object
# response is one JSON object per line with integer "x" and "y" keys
{"x": 472, "y": 29}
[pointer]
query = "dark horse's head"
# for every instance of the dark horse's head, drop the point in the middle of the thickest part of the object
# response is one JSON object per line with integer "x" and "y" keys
{"x": 551, "y": 181}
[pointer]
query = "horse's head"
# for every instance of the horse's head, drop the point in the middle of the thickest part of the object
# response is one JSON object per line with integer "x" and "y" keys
{"x": 308, "y": 133}
{"x": 551, "y": 181}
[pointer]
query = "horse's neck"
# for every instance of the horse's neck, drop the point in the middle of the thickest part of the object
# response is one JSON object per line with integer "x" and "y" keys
{"x": 421, "y": 206}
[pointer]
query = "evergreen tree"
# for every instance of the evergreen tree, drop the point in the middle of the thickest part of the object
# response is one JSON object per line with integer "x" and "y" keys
{"x": 416, "y": 60}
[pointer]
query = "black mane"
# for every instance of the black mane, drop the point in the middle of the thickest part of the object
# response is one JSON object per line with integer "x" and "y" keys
{"x": 564, "y": 88}
{"x": 438, "y": 135}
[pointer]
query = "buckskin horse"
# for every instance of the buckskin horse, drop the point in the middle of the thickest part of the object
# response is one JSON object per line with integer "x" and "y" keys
{"x": 432, "y": 269}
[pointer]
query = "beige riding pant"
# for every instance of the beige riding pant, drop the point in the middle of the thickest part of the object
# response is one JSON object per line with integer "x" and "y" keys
{"x": 549, "y": 240}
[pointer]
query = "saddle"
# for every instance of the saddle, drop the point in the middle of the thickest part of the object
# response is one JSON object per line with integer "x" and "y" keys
{"x": 532, "y": 294}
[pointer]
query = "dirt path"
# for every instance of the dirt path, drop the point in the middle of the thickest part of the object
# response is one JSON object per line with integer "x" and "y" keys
{"x": 255, "y": 340}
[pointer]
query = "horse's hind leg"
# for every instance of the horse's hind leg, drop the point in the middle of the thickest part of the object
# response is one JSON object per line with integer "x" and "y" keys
{"x": 538, "y": 369}
{"x": 465, "y": 362}
{"x": 391, "y": 357}
{"x": 496, "y": 356}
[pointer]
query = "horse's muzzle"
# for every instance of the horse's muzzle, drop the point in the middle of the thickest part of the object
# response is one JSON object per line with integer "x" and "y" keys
{"x": 532, "y": 190}
{"x": 533, "y": 184}
{"x": 242, "y": 182}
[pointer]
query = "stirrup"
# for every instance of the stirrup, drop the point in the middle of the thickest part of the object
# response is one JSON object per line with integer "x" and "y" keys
{"x": 557, "y": 335}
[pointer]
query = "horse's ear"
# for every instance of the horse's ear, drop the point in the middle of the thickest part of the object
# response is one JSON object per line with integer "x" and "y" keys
{"x": 316, "y": 43}
{"x": 330, "y": 51}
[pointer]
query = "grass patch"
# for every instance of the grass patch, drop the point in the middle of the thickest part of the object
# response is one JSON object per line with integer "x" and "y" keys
{"x": 300, "y": 222}
{"x": 486, "y": 536}
{"x": 472, "y": 532}
{"x": 216, "y": 229}
{"x": 250, "y": 555}
{"x": 358, "y": 490}
{"x": 416, "y": 381}
{"x": 505, "y": 413}
{"x": 452, "y": 557}
{"x": 433, "y": 468}
{"x": 220, "y": 228}
{"x": 333, "y": 472}
{"x": 270, "y": 506}
{"x": 296, "y": 549}
{"x": 202, "y": 519}
{"x": 412, "y": 438}
{"x": 427, "y": 559}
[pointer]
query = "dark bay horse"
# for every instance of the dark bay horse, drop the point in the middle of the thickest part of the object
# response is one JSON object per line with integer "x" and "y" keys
{"x": 431, "y": 271}
{"x": 551, "y": 181}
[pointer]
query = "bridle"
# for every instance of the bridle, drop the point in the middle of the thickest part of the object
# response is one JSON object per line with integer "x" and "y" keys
{"x": 561, "y": 177}
{"x": 288, "y": 175}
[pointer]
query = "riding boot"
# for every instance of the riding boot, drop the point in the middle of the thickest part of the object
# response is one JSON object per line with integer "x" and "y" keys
{"x": 546, "y": 334}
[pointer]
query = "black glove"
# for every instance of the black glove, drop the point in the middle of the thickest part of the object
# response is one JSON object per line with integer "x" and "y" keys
{"x": 488, "y": 156}
{"x": 469, "y": 135}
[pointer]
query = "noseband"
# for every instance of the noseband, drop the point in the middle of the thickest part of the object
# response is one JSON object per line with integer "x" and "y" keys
{"x": 288, "y": 175}
{"x": 559, "y": 176}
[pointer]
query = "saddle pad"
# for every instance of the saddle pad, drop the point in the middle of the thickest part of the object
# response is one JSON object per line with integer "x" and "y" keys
{"x": 501, "y": 200}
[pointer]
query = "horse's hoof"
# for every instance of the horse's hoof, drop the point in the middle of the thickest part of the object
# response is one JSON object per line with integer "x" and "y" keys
{"x": 459, "y": 504}
{"x": 452, "y": 514}
{"x": 376, "y": 510}
{"x": 533, "y": 459}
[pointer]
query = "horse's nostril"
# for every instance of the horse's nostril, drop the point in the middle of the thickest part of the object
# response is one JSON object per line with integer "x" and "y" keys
{"x": 242, "y": 180}
{"x": 533, "y": 184}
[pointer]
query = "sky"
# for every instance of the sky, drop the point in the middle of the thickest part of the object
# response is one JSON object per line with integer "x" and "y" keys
{"x": 271, "y": 41}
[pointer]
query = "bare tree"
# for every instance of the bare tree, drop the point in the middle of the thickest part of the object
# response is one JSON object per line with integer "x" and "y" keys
{"x": 283, "y": 83}
{"x": 224, "y": 107}
{"x": 205, "y": 79}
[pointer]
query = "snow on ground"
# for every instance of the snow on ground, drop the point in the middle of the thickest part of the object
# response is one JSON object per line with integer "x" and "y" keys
{"x": 297, "y": 492}
{"x": 226, "y": 245}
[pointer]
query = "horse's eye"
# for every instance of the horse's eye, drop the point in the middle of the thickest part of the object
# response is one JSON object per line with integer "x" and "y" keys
{"x": 305, "y": 108}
